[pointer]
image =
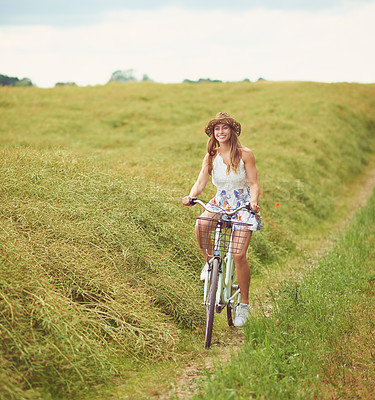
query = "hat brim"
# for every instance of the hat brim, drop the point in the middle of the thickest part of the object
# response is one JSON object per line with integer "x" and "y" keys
{"x": 229, "y": 121}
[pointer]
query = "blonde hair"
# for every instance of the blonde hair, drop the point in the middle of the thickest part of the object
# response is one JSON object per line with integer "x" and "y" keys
{"x": 234, "y": 152}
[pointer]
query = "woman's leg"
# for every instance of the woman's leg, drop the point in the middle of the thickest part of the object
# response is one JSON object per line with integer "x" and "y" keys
{"x": 203, "y": 228}
{"x": 242, "y": 266}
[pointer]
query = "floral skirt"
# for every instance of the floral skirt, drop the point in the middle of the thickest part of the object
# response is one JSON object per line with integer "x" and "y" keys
{"x": 229, "y": 200}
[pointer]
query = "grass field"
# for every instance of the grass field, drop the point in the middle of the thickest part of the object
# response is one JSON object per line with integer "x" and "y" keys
{"x": 98, "y": 265}
{"x": 318, "y": 341}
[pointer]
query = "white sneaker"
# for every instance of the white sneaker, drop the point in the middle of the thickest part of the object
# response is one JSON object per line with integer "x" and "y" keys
{"x": 203, "y": 272}
{"x": 241, "y": 314}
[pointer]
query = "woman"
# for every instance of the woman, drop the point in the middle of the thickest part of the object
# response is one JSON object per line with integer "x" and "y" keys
{"x": 234, "y": 173}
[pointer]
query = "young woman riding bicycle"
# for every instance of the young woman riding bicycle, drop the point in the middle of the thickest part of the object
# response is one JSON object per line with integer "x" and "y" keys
{"x": 234, "y": 173}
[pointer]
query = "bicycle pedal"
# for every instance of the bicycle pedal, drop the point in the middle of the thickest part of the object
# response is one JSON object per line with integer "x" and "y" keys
{"x": 235, "y": 287}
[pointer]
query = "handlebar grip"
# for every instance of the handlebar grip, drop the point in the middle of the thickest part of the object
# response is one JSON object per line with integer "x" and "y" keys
{"x": 193, "y": 201}
{"x": 248, "y": 207}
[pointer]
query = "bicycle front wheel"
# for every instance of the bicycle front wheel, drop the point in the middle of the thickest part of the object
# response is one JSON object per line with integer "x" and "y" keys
{"x": 210, "y": 302}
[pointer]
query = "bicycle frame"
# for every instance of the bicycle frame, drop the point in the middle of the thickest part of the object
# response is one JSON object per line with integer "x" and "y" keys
{"x": 226, "y": 270}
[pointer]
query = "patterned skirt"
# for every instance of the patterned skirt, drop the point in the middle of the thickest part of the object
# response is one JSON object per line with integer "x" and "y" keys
{"x": 229, "y": 200}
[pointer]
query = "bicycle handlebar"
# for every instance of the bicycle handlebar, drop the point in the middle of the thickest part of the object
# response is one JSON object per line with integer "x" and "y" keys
{"x": 195, "y": 200}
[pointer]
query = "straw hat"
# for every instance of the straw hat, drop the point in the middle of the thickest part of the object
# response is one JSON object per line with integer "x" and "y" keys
{"x": 223, "y": 118}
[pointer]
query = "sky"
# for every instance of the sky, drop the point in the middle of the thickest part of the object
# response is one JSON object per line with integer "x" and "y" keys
{"x": 85, "y": 41}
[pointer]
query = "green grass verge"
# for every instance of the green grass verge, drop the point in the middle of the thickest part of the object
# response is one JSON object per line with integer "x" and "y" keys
{"x": 99, "y": 267}
{"x": 317, "y": 340}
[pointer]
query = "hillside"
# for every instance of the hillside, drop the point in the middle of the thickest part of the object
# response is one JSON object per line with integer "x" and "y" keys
{"x": 99, "y": 268}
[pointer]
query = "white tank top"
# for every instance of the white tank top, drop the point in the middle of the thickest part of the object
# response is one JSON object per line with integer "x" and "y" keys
{"x": 231, "y": 181}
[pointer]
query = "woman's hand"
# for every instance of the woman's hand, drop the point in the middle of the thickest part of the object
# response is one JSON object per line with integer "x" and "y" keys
{"x": 186, "y": 200}
{"x": 255, "y": 207}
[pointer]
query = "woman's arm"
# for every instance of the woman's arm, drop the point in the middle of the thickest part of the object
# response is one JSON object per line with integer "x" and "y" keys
{"x": 200, "y": 183}
{"x": 252, "y": 177}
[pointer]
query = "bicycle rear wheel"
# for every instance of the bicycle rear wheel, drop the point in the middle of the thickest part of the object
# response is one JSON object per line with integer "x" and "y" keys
{"x": 231, "y": 306}
{"x": 210, "y": 302}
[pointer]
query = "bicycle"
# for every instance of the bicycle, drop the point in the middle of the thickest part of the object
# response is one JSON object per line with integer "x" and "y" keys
{"x": 217, "y": 236}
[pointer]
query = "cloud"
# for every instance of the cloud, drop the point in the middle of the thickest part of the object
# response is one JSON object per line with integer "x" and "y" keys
{"x": 84, "y": 12}
{"x": 172, "y": 44}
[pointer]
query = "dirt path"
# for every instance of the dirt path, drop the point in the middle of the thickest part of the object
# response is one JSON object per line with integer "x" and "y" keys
{"x": 188, "y": 380}
{"x": 366, "y": 184}
{"x": 228, "y": 341}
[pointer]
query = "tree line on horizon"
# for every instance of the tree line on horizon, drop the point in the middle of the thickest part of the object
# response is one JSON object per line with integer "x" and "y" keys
{"x": 13, "y": 81}
{"x": 128, "y": 76}
{"x": 117, "y": 76}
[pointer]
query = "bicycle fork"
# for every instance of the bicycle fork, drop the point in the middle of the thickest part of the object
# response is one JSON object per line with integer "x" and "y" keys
{"x": 226, "y": 290}
{"x": 207, "y": 283}
{"x": 218, "y": 257}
